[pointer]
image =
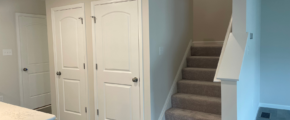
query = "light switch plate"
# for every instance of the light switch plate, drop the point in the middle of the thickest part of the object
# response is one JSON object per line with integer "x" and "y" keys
{"x": 1, "y": 99}
{"x": 7, "y": 52}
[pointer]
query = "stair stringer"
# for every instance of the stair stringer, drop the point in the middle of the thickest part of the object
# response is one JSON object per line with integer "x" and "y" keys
{"x": 173, "y": 88}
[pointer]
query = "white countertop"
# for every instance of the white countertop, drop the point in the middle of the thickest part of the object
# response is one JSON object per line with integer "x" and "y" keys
{"x": 12, "y": 112}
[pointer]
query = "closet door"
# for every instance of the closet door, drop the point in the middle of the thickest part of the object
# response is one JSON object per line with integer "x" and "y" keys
{"x": 117, "y": 55}
{"x": 70, "y": 53}
{"x": 33, "y": 47}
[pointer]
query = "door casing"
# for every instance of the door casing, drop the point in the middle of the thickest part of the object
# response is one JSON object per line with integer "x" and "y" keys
{"x": 53, "y": 10}
{"x": 141, "y": 62}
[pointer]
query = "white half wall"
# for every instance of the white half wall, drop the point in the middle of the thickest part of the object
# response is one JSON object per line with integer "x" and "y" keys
{"x": 229, "y": 100}
{"x": 240, "y": 65}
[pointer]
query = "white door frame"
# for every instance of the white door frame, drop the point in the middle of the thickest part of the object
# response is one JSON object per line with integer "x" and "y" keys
{"x": 53, "y": 10}
{"x": 17, "y": 15}
{"x": 141, "y": 63}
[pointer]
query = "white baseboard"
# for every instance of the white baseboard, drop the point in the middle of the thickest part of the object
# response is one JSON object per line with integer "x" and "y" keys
{"x": 173, "y": 88}
{"x": 283, "y": 107}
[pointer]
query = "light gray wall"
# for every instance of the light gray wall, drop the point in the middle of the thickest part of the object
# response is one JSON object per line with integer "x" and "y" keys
{"x": 275, "y": 55}
{"x": 9, "y": 73}
{"x": 171, "y": 29}
{"x": 211, "y": 19}
{"x": 248, "y": 87}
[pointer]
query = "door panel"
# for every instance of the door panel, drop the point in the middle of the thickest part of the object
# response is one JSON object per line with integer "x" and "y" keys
{"x": 116, "y": 34}
{"x": 34, "y": 56}
{"x": 70, "y": 54}
{"x": 69, "y": 42}
{"x": 118, "y": 98}
{"x": 37, "y": 47}
{"x": 72, "y": 95}
{"x": 117, "y": 56}
{"x": 40, "y": 82}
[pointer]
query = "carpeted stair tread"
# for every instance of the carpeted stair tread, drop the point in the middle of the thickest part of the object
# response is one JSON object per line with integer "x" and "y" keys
{"x": 197, "y": 103}
{"x": 203, "y": 74}
{"x": 182, "y": 114}
{"x": 206, "y": 50}
{"x": 198, "y": 97}
{"x": 202, "y": 61}
{"x": 199, "y": 88}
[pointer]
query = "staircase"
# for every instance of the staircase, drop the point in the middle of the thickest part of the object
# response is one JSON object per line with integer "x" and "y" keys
{"x": 198, "y": 97}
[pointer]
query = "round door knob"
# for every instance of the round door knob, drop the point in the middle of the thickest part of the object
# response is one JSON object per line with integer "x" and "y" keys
{"x": 25, "y": 69}
{"x": 58, "y": 73}
{"x": 135, "y": 79}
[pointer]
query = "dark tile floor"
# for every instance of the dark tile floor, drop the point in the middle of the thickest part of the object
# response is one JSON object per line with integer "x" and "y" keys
{"x": 275, "y": 114}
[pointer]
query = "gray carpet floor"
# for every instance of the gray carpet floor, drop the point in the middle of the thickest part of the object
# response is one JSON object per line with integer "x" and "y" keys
{"x": 198, "y": 97}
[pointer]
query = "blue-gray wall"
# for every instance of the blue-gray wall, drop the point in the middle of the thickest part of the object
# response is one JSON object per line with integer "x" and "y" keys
{"x": 248, "y": 86}
{"x": 275, "y": 53}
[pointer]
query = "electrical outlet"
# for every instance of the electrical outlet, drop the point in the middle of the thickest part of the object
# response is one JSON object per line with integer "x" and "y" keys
{"x": 7, "y": 52}
{"x": 1, "y": 99}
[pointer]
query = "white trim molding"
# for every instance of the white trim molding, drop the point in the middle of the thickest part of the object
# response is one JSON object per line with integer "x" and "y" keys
{"x": 275, "y": 106}
{"x": 173, "y": 88}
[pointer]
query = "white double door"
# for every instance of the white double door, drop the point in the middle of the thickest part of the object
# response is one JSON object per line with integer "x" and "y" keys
{"x": 70, "y": 61}
{"x": 116, "y": 48}
{"x": 34, "y": 64}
